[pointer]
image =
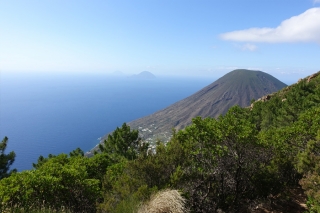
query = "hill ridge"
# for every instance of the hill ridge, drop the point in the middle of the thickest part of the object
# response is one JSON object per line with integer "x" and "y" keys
{"x": 237, "y": 87}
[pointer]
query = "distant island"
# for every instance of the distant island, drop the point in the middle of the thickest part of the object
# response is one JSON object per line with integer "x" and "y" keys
{"x": 144, "y": 75}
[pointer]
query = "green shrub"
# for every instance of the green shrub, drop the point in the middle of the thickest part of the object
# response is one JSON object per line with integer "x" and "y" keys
{"x": 57, "y": 184}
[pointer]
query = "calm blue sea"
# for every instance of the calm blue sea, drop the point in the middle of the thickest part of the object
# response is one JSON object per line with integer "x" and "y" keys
{"x": 56, "y": 113}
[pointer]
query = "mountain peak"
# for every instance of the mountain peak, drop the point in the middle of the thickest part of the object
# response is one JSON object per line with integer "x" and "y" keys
{"x": 237, "y": 87}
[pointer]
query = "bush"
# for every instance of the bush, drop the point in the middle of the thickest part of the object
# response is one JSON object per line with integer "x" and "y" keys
{"x": 59, "y": 183}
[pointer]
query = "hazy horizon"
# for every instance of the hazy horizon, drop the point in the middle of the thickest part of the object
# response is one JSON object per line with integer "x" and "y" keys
{"x": 287, "y": 79}
{"x": 178, "y": 38}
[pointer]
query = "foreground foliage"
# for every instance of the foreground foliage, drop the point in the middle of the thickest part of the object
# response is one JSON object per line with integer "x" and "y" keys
{"x": 61, "y": 182}
{"x": 225, "y": 162}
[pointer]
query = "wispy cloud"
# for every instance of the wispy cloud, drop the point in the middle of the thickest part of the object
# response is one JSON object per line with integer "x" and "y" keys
{"x": 227, "y": 68}
{"x": 254, "y": 68}
{"x": 302, "y": 28}
{"x": 248, "y": 47}
{"x": 316, "y": 1}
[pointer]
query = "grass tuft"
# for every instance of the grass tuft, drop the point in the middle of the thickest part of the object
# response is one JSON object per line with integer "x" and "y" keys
{"x": 166, "y": 201}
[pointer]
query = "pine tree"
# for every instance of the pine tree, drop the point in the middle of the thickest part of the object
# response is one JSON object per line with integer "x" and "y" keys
{"x": 125, "y": 142}
{"x": 6, "y": 160}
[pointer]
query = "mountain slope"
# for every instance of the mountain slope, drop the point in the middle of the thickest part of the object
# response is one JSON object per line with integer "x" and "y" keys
{"x": 238, "y": 87}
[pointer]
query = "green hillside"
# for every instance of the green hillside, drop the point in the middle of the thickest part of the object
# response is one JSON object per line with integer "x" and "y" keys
{"x": 262, "y": 158}
{"x": 238, "y": 87}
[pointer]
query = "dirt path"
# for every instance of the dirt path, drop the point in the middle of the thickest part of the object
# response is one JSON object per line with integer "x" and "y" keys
{"x": 292, "y": 201}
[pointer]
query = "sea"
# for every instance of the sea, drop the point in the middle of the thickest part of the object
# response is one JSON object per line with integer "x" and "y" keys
{"x": 44, "y": 113}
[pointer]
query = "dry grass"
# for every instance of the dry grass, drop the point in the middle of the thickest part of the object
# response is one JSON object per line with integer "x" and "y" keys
{"x": 166, "y": 201}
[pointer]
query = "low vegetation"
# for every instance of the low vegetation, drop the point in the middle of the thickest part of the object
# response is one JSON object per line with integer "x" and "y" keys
{"x": 228, "y": 164}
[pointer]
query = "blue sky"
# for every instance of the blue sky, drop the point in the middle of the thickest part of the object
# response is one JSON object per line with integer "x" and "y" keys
{"x": 166, "y": 37}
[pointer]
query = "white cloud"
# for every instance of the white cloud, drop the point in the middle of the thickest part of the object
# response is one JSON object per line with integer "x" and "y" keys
{"x": 254, "y": 68}
{"x": 316, "y": 1}
{"x": 302, "y": 28}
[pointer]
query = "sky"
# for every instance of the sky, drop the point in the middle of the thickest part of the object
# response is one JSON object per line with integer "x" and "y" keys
{"x": 165, "y": 37}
